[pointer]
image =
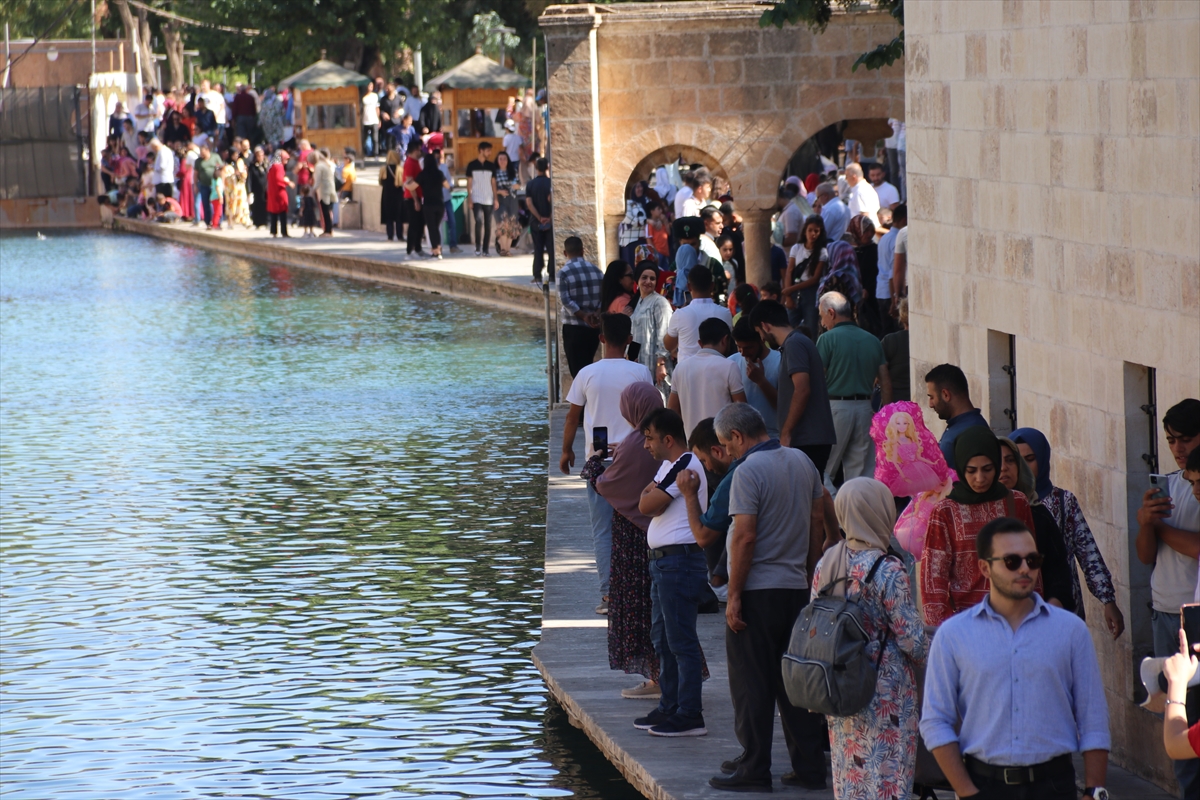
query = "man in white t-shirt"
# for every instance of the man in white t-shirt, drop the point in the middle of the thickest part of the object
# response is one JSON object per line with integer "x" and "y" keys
{"x": 143, "y": 114}
{"x": 684, "y": 194}
{"x": 683, "y": 330}
{"x": 1168, "y": 538}
{"x": 888, "y": 195}
{"x": 713, "y": 223}
{"x": 701, "y": 183}
{"x": 595, "y": 396}
{"x": 678, "y": 580}
{"x": 513, "y": 144}
{"x": 708, "y": 381}
{"x": 215, "y": 100}
{"x": 370, "y": 121}
{"x": 900, "y": 267}
{"x": 863, "y": 199}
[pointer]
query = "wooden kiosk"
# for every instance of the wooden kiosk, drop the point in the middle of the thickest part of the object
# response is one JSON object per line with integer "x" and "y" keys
{"x": 327, "y": 105}
{"x": 474, "y": 94}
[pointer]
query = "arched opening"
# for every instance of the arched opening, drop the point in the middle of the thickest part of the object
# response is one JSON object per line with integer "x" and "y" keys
{"x": 681, "y": 157}
{"x": 868, "y": 141}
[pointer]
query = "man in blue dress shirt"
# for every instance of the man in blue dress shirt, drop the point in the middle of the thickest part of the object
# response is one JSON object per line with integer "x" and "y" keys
{"x": 950, "y": 398}
{"x": 1023, "y": 677}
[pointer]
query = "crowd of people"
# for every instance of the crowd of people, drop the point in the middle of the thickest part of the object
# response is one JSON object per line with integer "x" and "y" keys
{"x": 222, "y": 159}
{"x": 742, "y": 448}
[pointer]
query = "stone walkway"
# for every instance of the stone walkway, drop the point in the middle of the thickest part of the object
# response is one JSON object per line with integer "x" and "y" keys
{"x": 573, "y": 659}
{"x": 501, "y": 280}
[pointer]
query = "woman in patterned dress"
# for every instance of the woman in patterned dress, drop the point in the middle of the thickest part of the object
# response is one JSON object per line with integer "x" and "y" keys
{"x": 1081, "y": 544}
{"x": 874, "y": 752}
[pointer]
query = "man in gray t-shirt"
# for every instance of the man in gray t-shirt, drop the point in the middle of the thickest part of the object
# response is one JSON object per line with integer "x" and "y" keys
{"x": 772, "y": 500}
{"x": 802, "y": 403}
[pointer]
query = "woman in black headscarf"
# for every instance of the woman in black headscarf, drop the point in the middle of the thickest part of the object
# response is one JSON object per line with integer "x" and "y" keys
{"x": 256, "y": 183}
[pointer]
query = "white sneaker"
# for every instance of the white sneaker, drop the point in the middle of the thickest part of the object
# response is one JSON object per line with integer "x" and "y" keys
{"x": 646, "y": 690}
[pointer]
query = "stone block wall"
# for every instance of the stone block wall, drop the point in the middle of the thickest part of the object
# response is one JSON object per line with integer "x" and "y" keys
{"x": 631, "y": 79}
{"x": 1054, "y": 194}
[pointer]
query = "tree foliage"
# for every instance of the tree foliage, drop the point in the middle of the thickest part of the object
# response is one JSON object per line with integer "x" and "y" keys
{"x": 816, "y": 14}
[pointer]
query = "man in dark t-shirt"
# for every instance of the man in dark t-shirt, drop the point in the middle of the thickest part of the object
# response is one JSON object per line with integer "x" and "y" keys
{"x": 537, "y": 200}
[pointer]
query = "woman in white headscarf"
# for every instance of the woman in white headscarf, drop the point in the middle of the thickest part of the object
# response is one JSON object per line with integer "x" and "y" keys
{"x": 874, "y": 752}
{"x": 662, "y": 185}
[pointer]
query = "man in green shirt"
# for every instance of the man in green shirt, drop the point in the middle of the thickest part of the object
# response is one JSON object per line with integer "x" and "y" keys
{"x": 854, "y": 363}
{"x": 206, "y": 169}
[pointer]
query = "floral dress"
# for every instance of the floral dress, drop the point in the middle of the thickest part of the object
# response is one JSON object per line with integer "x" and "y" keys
{"x": 874, "y": 752}
{"x": 1081, "y": 547}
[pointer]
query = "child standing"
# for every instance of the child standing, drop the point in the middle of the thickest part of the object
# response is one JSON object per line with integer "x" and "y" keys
{"x": 217, "y": 198}
{"x": 308, "y": 209}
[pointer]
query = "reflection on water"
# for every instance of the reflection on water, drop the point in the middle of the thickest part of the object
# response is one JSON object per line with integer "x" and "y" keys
{"x": 268, "y": 534}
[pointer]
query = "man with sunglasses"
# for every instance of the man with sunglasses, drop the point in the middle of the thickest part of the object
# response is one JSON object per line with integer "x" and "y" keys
{"x": 1023, "y": 677}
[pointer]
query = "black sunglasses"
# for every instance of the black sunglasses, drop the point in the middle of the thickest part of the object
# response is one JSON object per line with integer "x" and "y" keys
{"x": 1012, "y": 561}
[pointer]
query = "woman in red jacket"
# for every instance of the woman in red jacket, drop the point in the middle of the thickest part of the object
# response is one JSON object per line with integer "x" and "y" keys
{"x": 277, "y": 191}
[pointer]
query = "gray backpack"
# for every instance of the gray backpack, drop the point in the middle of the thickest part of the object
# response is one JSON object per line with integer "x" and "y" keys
{"x": 825, "y": 668}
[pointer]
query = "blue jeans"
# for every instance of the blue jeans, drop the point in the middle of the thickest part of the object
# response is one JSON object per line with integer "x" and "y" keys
{"x": 451, "y": 226}
{"x": 205, "y": 194}
{"x": 677, "y": 585}
{"x": 1166, "y": 643}
{"x": 600, "y": 513}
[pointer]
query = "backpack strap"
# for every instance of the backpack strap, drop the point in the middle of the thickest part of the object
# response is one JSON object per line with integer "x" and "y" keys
{"x": 887, "y": 632}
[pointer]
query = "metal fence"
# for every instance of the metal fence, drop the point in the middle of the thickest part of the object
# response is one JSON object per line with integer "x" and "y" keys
{"x": 43, "y": 135}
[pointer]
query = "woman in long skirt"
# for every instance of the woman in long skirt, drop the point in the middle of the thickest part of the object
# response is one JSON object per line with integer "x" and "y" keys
{"x": 256, "y": 183}
{"x": 187, "y": 185}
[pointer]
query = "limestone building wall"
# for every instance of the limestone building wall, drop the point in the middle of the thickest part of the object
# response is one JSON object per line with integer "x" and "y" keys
{"x": 629, "y": 80}
{"x": 1054, "y": 196}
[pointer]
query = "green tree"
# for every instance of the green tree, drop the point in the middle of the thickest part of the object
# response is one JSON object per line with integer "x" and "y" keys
{"x": 817, "y": 13}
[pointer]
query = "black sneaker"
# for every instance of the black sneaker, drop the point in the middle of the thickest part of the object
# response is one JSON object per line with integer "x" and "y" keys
{"x": 740, "y": 782}
{"x": 655, "y": 717}
{"x": 812, "y": 784}
{"x": 679, "y": 725}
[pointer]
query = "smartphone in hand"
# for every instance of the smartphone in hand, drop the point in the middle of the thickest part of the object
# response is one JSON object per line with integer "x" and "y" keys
{"x": 634, "y": 350}
{"x": 600, "y": 440}
{"x": 1159, "y": 483}
{"x": 1190, "y": 619}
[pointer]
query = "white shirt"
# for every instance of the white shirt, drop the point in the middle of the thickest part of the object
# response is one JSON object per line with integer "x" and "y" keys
{"x": 682, "y": 196}
{"x": 512, "y": 145}
{"x": 1172, "y": 583}
{"x": 887, "y": 194}
{"x": 598, "y": 388}
{"x": 902, "y": 241}
{"x": 370, "y": 104}
{"x": 143, "y": 117}
{"x": 685, "y": 324}
{"x": 799, "y": 253}
{"x": 163, "y": 170}
{"x": 708, "y": 246}
{"x": 671, "y": 526}
{"x": 216, "y": 104}
{"x": 864, "y": 200}
{"x": 705, "y": 383}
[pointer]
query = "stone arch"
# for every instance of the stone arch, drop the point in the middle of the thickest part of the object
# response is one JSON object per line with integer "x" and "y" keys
{"x": 644, "y": 171}
{"x": 776, "y": 157}
{"x": 700, "y": 141}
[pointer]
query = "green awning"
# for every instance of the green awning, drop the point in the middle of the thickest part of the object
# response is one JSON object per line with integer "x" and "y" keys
{"x": 478, "y": 72}
{"x": 324, "y": 75}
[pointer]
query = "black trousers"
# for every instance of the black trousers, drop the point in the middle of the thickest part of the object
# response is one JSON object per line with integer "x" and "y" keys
{"x": 1060, "y": 788}
{"x": 756, "y": 686}
{"x": 327, "y": 217}
{"x": 282, "y": 220}
{"x": 580, "y": 343}
{"x": 543, "y": 247}
{"x": 483, "y": 225}
{"x": 416, "y": 226}
{"x": 394, "y": 229}
{"x": 433, "y": 222}
{"x": 819, "y": 453}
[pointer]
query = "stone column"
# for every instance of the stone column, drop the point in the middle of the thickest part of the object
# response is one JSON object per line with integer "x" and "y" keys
{"x": 573, "y": 89}
{"x": 756, "y": 226}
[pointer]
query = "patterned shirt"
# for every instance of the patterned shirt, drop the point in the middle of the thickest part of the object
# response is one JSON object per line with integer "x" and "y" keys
{"x": 579, "y": 284}
{"x": 950, "y": 576}
{"x": 1081, "y": 546}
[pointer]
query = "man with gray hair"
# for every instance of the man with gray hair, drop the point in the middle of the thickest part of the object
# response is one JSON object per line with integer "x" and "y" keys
{"x": 773, "y": 499}
{"x": 854, "y": 363}
{"x": 863, "y": 197}
{"x": 832, "y": 210}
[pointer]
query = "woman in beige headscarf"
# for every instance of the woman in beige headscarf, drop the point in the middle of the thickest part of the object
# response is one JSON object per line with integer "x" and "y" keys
{"x": 874, "y": 752}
